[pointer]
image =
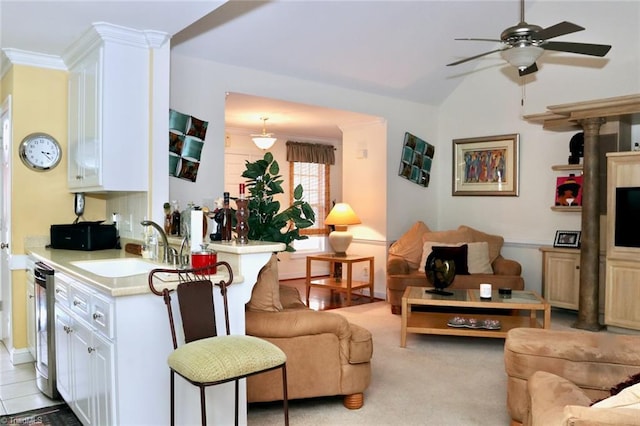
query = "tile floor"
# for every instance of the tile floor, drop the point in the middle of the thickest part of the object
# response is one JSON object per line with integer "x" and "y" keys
{"x": 18, "y": 390}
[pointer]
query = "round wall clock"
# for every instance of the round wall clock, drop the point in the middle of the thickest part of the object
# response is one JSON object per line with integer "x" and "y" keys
{"x": 40, "y": 152}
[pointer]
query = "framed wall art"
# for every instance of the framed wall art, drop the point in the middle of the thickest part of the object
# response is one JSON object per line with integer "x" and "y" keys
{"x": 486, "y": 165}
{"x": 567, "y": 239}
{"x": 569, "y": 191}
{"x": 415, "y": 163}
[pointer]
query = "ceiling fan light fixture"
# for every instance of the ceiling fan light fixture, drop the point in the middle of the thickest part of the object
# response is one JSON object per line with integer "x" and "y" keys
{"x": 522, "y": 57}
{"x": 264, "y": 140}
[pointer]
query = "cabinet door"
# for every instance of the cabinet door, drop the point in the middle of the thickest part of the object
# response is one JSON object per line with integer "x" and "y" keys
{"x": 63, "y": 354}
{"x": 84, "y": 123}
{"x": 562, "y": 279}
{"x": 103, "y": 380}
{"x": 81, "y": 374}
{"x": 623, "y": 292}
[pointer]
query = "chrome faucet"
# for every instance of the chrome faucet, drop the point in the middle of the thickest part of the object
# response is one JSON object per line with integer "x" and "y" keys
{"x": 169, "y": 253}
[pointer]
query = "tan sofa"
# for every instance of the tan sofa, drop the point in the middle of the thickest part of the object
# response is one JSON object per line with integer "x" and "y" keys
{"x": 553, "y": 376}
{"x": 326, "y": 355}
{"x": 405, "y": 263}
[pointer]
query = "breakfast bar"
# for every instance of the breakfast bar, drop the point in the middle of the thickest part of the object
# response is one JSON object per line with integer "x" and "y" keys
{"x": 127, "y": 380}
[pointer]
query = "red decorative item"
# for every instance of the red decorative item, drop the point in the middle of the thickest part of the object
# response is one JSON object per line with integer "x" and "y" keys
{"x": 569, "y": 191}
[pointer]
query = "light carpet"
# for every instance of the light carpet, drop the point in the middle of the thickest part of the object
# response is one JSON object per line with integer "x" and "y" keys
{"x": 435, "y": 380}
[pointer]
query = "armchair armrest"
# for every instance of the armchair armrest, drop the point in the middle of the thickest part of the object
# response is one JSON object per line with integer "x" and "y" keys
{"x": 502, "y": 266}
{"x": 296, "y": 323}
{"x": 397, "y": 265}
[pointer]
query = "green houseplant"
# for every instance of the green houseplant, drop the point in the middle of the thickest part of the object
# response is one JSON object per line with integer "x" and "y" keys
{"x": 266, "y": 221}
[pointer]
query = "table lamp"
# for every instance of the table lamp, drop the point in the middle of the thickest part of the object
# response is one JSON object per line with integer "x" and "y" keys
{"x": 341, "y": 215}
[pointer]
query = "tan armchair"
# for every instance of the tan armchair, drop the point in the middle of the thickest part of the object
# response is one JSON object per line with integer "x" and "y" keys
{"x": 326, "y": 354}
{"x": 553, "y": 376}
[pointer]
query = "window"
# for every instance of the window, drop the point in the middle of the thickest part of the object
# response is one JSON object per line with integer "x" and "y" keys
{"x": 314, "y": 178}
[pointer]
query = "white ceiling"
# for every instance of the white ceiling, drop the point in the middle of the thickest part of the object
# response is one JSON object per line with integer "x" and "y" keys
{"x": 391, "y": 48}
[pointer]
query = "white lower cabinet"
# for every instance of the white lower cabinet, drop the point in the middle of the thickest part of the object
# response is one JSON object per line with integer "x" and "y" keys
{"x": 84, "y": 354}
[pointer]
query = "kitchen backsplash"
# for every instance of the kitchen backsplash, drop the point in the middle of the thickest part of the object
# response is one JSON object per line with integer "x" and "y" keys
{"x": 131, "y": 208}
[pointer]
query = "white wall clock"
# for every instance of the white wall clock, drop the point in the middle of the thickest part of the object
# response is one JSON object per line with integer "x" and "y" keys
{"x": 40, "y": 152}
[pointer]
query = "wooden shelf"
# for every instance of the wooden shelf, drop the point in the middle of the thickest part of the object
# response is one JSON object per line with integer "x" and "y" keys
{"x": 576, "y": 209}
{"x": 567, "y": 167}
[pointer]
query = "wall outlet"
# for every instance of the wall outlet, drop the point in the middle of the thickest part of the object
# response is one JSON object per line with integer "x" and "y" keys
{"x": 365, "y": 272}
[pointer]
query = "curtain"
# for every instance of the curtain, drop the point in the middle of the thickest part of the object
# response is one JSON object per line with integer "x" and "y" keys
{"x": 304, "y": 152}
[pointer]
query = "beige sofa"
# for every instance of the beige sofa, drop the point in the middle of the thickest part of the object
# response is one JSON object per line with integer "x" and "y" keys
{"x": 553, "y": 376}
{"x": 326, "y": 355}
{"x": 405, "y": 263}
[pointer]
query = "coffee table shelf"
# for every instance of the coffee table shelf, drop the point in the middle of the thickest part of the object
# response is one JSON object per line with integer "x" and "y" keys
{"x": 468, "y": 304}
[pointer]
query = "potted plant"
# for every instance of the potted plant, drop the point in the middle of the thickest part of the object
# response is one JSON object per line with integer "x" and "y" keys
{"x": 266, "y": 221}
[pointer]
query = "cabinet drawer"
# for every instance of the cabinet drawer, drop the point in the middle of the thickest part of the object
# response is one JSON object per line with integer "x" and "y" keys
{"x": 61, "y": 289}
{"x": 102, "y": 316}
{"x": 80, "y": 302}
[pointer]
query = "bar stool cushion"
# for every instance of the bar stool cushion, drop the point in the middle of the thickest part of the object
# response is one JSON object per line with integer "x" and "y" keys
{"x": 220, "y": 358}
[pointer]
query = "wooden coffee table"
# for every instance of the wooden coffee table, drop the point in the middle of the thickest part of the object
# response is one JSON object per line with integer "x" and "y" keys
{"x": 470, "y": 313}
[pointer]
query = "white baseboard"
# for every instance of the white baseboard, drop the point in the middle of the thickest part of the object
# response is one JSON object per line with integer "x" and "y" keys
{"x": 20, "y": 356}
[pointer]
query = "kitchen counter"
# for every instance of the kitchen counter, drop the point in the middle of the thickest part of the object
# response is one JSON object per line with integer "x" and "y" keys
{"x": 137, "y": 284}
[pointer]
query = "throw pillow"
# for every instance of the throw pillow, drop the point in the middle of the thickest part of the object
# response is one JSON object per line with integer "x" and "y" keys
{"x": 477, "y": 256}
{"x": 427, "y": 247}
{"x": 449, "y": 237}
{"x": 457, "y": 254}
{"x": 627, "y": 398}
{"x": 495, "y": 241}
{"x": 409, "y": 245}
{"x": 478, "y": 259}
{"x": 265, "y": 296}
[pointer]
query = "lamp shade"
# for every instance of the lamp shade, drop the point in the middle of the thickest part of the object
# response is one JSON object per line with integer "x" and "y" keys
{"x": 522, "y": 57}
{"x": 341, "y": 215}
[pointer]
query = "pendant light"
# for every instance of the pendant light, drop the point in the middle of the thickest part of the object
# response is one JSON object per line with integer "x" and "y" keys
{"x": 264, "y": 140}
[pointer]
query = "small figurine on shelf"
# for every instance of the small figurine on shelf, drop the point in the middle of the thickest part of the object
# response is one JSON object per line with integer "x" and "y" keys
{"x": 576, "y": 147}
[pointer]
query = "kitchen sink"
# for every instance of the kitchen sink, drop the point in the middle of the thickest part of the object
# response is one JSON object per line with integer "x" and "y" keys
{"x": 115, "y": 268}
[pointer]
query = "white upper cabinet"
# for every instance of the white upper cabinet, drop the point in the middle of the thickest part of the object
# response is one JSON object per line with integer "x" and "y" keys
{"x": 109, "y": 109}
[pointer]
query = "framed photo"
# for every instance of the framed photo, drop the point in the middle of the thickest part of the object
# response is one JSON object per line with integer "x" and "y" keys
{"x": 567, "y": 239}
{"x": 415, "y": 163}
{"x": 486, "y": 166}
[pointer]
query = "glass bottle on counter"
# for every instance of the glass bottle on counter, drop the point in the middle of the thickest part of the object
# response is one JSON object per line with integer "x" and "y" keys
{"x": 242, "y": 217}
{"x": 228, "y": 219}
{"x": 175, "y": 219}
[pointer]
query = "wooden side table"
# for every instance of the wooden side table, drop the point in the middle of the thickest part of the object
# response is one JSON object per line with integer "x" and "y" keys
{"x": 337, "y": 283}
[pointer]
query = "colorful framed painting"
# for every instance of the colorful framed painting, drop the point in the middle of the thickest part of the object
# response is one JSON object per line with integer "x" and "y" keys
{"x": 486, "y": 166}
{"x": 415, "y": 163}
{"x": 569, "y": 191}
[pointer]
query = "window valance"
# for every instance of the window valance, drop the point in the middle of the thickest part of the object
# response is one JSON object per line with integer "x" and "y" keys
{"x": 305, "y": 152}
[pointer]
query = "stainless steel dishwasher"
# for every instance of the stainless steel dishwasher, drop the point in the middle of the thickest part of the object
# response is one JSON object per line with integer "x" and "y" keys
{"x": 45, "y": 333}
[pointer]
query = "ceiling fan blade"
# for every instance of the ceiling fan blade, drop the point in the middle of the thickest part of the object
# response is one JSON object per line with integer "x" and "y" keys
{"x": 479, "y": 39}
{"x": 580, "y": 48}
{"x": 557, "y": 30}
{"x": 529, "y": 70}
{"x": 474, "y": 57}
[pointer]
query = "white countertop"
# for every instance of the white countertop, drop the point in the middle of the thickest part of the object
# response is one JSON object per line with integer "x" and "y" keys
{"x": 60, "y": 260}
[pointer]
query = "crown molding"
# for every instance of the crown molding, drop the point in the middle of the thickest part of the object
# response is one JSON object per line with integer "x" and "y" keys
{"x": 105, "y": 32}
{"x": 33, "y": 59}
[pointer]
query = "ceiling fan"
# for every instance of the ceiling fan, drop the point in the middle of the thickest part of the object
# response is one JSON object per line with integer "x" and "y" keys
{"x": 523, "y": 44}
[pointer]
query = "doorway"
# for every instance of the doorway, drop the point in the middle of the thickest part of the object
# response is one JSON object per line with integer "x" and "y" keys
{"x": 5, "y": 223}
